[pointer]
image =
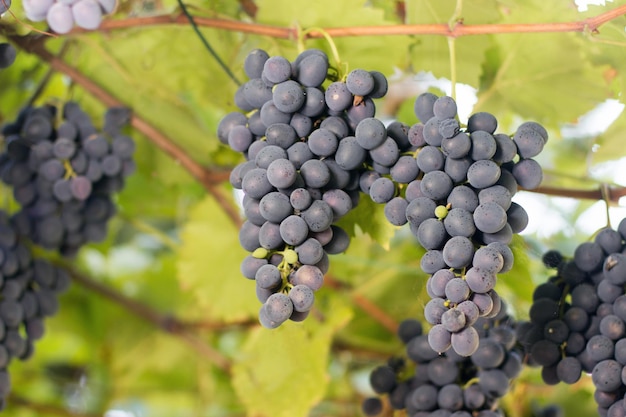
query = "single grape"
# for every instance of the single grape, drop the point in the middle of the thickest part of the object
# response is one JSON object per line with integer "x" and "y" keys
{"x": 87, "y": 14}
{"x": 8, "y": 53}
{"x": 276, "y": 69}
{"x": 288, "y": 96}
{"x": 360, "y": 82}
{"x": 278, "y": 307}
{"x": 338, "y": 97}
{"x": 312, "y": 70}
{"x": 424, "y": 106}
{"x": 465, "y": 342}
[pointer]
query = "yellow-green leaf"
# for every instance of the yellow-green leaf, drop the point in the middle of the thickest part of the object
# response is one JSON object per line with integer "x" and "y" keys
{"x": 283, "y": 372}
{"x": 209, "y": 266}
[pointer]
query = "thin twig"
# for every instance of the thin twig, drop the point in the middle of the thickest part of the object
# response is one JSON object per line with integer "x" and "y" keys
{"x": 364, "y": 304}
{"x": 591, "y": 24}
{"x": 206, "y": 43}
{"x": 43, "y": 83}
{"x": 157, "y": 234}
{"x": 167, "y": 323}
{"x": 208, "y": 178}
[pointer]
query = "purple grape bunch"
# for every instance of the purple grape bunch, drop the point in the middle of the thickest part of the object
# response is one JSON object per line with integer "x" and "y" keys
{"x": 62, "y": 16}
{"x": 63, "y": 174}
{"x": 29, "y": 290}
{"x": 577, "y": 321}
{"x": 300, "y": 176}
{"x": 426, "y": 383}
{"x": 454, "y": 187}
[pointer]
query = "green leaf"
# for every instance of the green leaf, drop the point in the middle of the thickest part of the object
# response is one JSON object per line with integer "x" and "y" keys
{"x": 283, "y": 372}
{"x": 432, "y": 53}
{"x": 551, "y": 84}
{"x": 369, "y": 218}
{"x": 209, "y": 266}
{"x": 184, "y": 108}
{"x": 390, "y": 279}
{"x": 516, "y": 286}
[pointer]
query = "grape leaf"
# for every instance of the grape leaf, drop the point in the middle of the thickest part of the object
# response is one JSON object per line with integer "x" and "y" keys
{"x": 208, "y": 265}
{"x": 432, "y": 53}
{"x": 283, "y": 372}
{"x": 184, "y": 108}
{"x": 368, "y": 217}
{"x": 516, "y": 286}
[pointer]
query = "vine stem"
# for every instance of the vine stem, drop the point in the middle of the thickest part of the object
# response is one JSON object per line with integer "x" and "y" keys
{"x": 167, "y": 323}
{"x": 366, "y": 305}
{"x": 590, "y": 24}
{"x": 208, "y": 178}
{"x": 611, "y": 194}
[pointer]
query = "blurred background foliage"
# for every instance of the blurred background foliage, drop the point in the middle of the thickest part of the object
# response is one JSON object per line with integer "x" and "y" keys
{"x": 160, "y": 321}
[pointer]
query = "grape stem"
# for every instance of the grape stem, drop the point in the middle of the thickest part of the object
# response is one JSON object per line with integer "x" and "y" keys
{"x": 455, "y": 20}
{"x": 452, "y": 54}
{"x": 69, "y": 170}
{"x": 604, "y": 189}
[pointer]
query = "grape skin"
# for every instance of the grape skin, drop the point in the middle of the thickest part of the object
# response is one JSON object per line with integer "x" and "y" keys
{"x": 87, "y": 14}
{"x": 7, "y": 52}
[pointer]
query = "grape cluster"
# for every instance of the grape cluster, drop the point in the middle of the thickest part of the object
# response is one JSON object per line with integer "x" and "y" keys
{"x": 29, "y": 291}
{"x": 63, "y": 175}
{"x": 449, "y": 385}
{"x": 578, "y": 319}
{"x": 62, "y": 15}
{"x": 7, "y": 53}
{"x": 454, "y": 188}
{"x": 300, "y": 174}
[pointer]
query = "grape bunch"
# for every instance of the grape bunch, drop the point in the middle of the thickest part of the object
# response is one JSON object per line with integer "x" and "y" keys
{"x": 299, "y": 175}
{"x": 7, "y": 54}
{"x": 449, "y": 385}
{"x": 62, "y": 15}
{"x": 64, "y": 174}
{"x": 454, "y": 188}
{"x": 578, "y": 319}
{"x": 29, "y": 292}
